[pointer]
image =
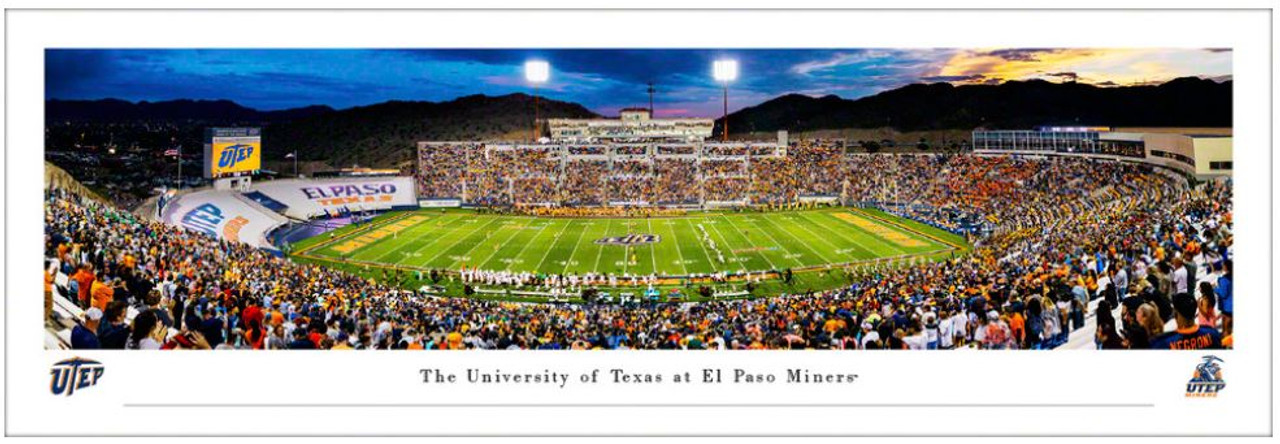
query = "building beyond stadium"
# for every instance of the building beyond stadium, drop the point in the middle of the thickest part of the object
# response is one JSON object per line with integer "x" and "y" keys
{"x": 634, "y": 124}
{"x": 1201, "y": 152}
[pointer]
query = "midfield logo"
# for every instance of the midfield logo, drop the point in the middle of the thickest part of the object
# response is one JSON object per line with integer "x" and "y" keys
{"x": 1207, "y": 380}
{"x": 629, "y": 240}
{"x": 74, "y": 374}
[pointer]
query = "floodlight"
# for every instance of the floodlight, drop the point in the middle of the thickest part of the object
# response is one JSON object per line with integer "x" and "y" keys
{"x": 725, "y": 70}
{"x": 537, "y": 71}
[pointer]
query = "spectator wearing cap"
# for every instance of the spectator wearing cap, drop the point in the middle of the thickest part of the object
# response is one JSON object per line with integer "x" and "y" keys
{"x": 870, "y": 337}
{"x": 83, "y": 335}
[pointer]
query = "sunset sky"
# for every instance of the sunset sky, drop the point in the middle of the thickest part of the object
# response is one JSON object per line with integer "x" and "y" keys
{"x": 604, "y": 80}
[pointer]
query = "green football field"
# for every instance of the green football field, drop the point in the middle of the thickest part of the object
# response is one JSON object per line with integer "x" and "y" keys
{"x": 698, "y": 243}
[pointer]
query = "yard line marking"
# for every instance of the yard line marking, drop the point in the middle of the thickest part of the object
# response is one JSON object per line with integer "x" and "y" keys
{"x": 355, "y": 232}
{"x": 700, "y": 245}
{"x": 908, "y": 229}
{"x": 514, "y": 232}
{"x": 573, "y": 253}
{"x": 350, "y": 233}
{"x": 841, "y": 234}
{"x": 460, "y": 239}
{"x": 653, "y": 249}
{"x": 802, "y": 242}
{"x": 548, "y": 248}
{"x": 775, "y": 241}
{"x": 886, "y": 242}
{"x": 454, "y": 226}
{"x": 596, "y": 267}
{"x": 414, "y": 231}
{"x": 457, "y": 225}
{"x": 726, "y": 245}
{"x": 526, "y": 244}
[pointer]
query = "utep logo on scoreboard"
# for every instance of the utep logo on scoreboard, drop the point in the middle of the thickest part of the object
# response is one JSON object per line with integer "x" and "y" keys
{"x": 75, "y": 374}
{"x": 236, "y": 156}
{"x": 1207, "y": 380}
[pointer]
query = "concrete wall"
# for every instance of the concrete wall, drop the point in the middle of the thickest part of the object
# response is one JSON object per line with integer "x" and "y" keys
{"x": 1212, "y": 149}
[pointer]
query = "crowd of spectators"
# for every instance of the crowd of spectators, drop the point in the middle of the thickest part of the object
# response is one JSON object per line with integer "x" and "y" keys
{"x": 583, "y": 182}
{"x": 441, "y": 169}
{"x": 1138, "y": 253}
{"x": 503, "y": 175}
{"x": 672, "y": 181}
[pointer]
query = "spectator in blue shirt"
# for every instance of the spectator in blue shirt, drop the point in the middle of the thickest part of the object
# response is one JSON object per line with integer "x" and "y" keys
{"x": 83, "y": 335}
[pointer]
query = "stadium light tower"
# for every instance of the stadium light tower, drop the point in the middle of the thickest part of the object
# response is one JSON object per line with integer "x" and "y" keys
{"x": 536, "y": 72}
{"x": 725, "y": 71}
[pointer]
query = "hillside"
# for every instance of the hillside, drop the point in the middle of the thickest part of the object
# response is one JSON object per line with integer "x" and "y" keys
{"x": 1017, "y": 104}
{"x": 221, "y": 111}
{"x": 380, "y": 135}
{"x": 386, "y": 134}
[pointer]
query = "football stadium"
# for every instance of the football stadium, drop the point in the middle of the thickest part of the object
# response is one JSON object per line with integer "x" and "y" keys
{"x": 640, "y": 232}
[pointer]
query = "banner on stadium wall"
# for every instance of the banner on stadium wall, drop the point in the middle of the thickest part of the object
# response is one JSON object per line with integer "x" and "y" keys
{"x": 819, "y": 199}
{"x": 440, "y": 203}
{"x": 725, "y": 203}
{"x": 222, "y": 215}
{"x": 314, "y": 198}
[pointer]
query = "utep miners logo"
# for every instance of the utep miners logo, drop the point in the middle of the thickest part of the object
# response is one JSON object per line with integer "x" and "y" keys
{"x": 1207, "y": 380}
{"x": 629, "y": 240}
{"x": 234, "y": 154}
{"x": 74, "y": 374}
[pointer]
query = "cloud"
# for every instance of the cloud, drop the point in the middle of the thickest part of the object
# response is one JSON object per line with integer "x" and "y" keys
{"x": 1121, "y": 66}
{"x": 73, "y": 68}
{"x": 964, "y": 78}
{"x": 600, "y": 79}
{"x": 1066, "y": 76}
{"x": 838, "y": 59}
{"x": 1021, "y": 54}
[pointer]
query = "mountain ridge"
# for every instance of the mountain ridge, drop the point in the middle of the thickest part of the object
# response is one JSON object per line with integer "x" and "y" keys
{"x": 1186, "y": 101}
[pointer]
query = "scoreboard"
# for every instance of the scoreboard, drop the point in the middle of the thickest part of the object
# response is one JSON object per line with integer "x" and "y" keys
{"x": 230, "y": 152}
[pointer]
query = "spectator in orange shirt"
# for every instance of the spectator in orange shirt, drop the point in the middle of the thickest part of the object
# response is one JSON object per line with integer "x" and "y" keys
{"x": 84, "y": 280}
{"x": 102, "y": 294}
{"x": 1017, "y": 327}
